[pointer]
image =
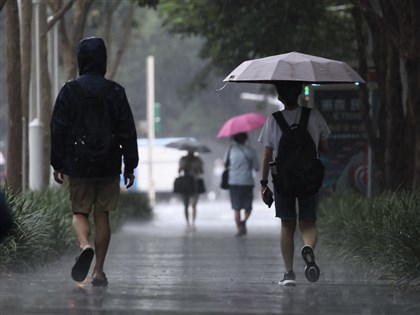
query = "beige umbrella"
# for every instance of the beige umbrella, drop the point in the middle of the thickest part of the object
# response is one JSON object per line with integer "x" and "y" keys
{"x": 294, "y": 66}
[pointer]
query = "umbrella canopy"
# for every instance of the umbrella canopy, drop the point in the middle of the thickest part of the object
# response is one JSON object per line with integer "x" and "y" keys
{"x": 188, "y": 144}
{"x": 241, "y": 123}
{"x": 294, "y": 66}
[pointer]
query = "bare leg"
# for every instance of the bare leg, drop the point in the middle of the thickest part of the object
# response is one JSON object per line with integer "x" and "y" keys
{"x": 247, "y": 215}
{"x": 194, "y": 210}
{"x": 186, "y": 199}
{"x": 82, "y": 229}
{"x": 309, "y": 233}
{"x": 240, "y": 224}
{"x": 238, "y": 219}
{"x": 287, "y": 245}
{"x": 102, "y": 238}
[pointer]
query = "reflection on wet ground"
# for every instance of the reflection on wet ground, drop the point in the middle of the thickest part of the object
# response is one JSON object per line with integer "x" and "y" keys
{"x": 163, "y": 268}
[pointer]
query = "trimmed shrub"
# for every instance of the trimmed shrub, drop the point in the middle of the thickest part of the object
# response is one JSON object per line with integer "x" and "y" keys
{"x": 42, "y": 228}
{"x": 380, "y": 233}
{"x": 135, "y": 206}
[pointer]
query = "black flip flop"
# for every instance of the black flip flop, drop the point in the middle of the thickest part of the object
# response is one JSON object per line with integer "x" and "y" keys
{"x": 81, "y": 267}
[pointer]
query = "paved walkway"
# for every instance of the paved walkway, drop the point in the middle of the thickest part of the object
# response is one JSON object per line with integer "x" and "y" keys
{"x": 163, "y": 268}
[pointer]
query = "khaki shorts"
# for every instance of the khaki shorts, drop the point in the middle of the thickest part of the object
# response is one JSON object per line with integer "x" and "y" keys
{"x": 101, "y": 194}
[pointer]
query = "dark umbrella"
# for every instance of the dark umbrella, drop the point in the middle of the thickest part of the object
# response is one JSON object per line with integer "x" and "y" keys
{"x": 188, "y": 144}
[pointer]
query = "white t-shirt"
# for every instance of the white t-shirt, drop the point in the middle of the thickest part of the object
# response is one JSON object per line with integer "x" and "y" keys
{"x": 271, "y": 132}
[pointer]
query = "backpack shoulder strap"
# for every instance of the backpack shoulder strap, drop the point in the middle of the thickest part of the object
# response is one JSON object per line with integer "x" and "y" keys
{"x": 304, "y": 116}
{"x": 284, "y": 126}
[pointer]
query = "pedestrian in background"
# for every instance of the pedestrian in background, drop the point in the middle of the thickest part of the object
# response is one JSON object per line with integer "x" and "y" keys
{"x": 191, "y": 166}
{"x": 6, "y": 221}
{"x": 288, "y": 94}
{"x": 92, "y": 131}
{"x": 242, "y": 161}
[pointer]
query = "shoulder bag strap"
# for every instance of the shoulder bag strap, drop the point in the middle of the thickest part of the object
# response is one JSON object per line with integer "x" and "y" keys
{"x": 227, "y": 162}
{"x": 246, "y": 156}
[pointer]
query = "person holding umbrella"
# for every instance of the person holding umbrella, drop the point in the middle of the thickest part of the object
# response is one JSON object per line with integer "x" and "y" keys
{"x": 288, "y": 93}
{"x": 287, "y": 72}
{"x": 241, "y": 159}
{"x": 191, "y": 166}
{"x": 190, "y": 170}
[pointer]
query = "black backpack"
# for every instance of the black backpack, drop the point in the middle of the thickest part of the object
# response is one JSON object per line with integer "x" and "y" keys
{"x": 299, "y": 171}
{"x": 92, "y": 126}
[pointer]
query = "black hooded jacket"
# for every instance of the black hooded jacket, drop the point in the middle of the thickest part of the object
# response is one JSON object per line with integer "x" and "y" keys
{"x": 91, "y": 57}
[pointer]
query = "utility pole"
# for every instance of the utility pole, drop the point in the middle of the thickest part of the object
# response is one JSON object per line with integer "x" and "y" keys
{"x": 150, "y": 96}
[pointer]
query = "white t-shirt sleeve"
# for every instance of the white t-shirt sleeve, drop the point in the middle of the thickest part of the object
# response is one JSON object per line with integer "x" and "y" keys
{"x": 324, "y": 131}
{"x": 266, "y": 135}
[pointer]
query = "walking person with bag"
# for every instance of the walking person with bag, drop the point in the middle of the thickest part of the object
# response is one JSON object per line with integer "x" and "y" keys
{"x": 92, "y": 133}
{"x": 241, "y": 160}
{"x": 292, "y": 138}
{"x": 191, "y": 168}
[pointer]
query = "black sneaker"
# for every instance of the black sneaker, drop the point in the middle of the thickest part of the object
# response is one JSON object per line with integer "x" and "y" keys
{"x": 311, "y": 269}
{"x": 289, "y": 279}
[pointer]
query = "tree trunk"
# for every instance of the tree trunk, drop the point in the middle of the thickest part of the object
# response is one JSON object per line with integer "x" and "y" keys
{"x": 14, "y": 135}
{"x": 374, "y": 138}
{"x": 408, "y": 14}
{"x": 397, "y": 139}
{"x": 379, "y": 56}
{"x": 395, "y": 167}
{"x": 395, "y": 29}
{"x": 123, "y": 43}
{"x": 109, "y": 9}
{"x": 412, "y": 67}
{"x": 2, "y": 2}
{"x": 80, "y": 10}
{"x": 26, "y": 53}
{"x": 46, "y": 102}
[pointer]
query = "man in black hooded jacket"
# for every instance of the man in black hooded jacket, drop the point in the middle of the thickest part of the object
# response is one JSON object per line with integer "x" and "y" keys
{"x": 95, "y": 187}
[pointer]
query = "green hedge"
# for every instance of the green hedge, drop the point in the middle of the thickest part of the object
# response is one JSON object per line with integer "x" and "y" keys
{"x": 43, "y": 229}
{"x": 381, "y": 234}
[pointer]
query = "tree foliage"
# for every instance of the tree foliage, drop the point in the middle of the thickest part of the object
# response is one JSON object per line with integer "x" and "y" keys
{"x": 235, "y": 31}
{"x": 382, "y": 31}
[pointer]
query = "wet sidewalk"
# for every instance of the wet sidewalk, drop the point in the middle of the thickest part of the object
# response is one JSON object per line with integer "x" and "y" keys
{"x": 163, "y": 268}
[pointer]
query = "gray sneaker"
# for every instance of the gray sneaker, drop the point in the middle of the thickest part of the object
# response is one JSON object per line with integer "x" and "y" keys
{"x": 289, "y": 279}
{"x": 311, "y": 269}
